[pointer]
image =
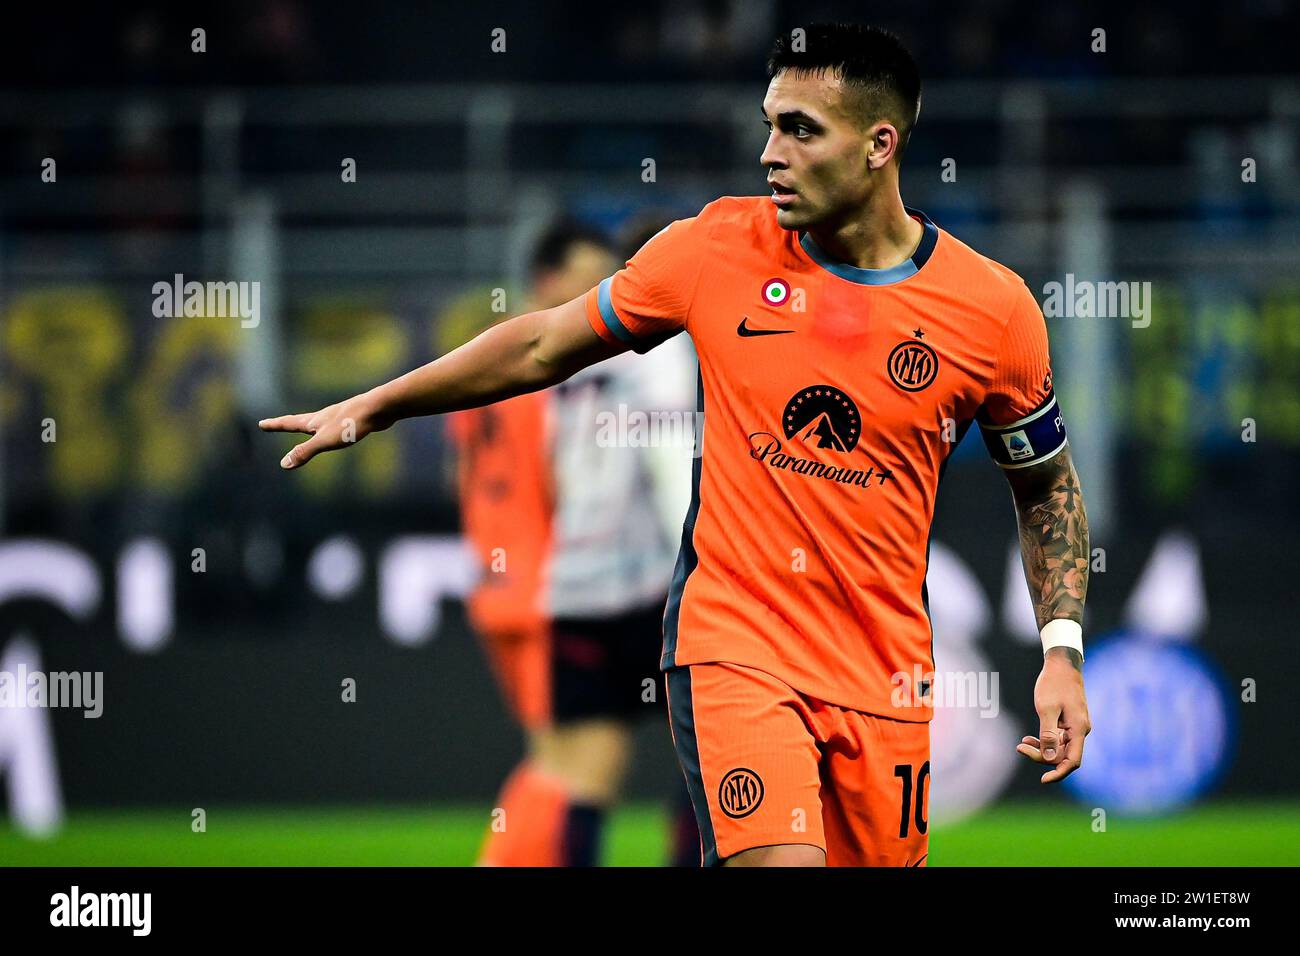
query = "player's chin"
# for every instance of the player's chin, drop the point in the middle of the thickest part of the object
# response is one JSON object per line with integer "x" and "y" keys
{"x": 794, "y": 218}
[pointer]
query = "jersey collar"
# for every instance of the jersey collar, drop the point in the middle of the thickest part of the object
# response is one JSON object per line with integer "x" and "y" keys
{"x": 904, "y": 270}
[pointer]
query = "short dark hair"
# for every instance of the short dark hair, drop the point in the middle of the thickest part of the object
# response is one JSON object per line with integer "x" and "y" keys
{"x": 871, "y": 60}
{"x": 552, "y": 248}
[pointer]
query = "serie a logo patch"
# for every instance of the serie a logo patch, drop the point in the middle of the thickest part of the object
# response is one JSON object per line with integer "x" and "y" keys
{"x": 1018, "y": 445}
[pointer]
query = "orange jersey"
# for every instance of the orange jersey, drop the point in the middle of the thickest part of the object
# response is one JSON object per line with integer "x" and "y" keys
{"x": 506, "y": 505}
{"x": 832, "y": 397}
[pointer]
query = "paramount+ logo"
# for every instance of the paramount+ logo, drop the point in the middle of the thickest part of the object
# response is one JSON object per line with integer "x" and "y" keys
{"x": 821, "y": 421}
{"x": 740, "y": 793}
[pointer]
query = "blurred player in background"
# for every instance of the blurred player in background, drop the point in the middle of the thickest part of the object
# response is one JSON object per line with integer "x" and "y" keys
{"x": 577, "y": 543}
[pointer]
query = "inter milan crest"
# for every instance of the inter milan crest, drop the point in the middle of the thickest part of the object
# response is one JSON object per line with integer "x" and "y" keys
{"x": 913, "y": 365}
{"x": 740, "y": 793}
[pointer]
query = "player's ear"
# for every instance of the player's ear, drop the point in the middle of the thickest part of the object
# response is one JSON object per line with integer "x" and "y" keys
{"x": 883, "y": 145}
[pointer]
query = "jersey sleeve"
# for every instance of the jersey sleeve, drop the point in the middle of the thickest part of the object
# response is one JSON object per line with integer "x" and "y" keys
{"x": 649, "y": 299}
{"x": 1019, "y": 419}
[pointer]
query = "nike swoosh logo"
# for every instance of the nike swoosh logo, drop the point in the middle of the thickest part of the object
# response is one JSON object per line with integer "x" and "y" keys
{"x": 745, "y": 331}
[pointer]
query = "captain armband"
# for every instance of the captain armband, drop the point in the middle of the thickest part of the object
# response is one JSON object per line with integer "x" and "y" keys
{"x": 1033, "y": 439}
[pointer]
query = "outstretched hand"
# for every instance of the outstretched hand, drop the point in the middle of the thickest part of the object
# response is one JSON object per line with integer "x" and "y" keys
{"x": 335, "y": 426}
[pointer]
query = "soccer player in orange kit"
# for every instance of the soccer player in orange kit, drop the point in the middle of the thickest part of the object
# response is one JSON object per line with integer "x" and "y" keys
{"x": 845, "y": 344}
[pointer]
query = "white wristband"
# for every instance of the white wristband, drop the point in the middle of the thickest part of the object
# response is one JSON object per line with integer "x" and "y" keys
{"x": 1062, "y": 633}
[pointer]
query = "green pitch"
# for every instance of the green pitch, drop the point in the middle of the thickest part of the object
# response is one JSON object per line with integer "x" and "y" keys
{"x": 1223, "y": 834}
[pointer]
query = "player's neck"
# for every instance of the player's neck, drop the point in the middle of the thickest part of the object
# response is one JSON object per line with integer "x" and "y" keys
{"x": 883, "y": 235}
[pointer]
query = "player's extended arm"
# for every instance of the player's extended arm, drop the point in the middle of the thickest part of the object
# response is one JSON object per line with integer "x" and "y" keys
{"x": 523, "y": 354}
{"x": 1054, "y": 549}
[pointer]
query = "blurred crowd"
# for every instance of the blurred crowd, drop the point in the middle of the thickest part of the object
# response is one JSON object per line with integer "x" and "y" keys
{"x": 292, "y": 41}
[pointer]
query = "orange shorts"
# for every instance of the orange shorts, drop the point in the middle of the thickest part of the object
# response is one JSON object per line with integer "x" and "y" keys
{"x": 766, "y": 765}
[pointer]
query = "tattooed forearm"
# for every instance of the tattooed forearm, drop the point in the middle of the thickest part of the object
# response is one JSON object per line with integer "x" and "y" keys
{"x": 1053, "y": 537}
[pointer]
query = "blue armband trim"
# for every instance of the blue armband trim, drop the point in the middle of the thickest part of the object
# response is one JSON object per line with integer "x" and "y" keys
{"x": 607, "y": 313}
{"x": 1038, "y": 436}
